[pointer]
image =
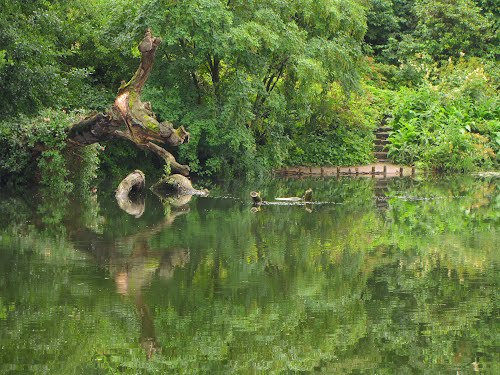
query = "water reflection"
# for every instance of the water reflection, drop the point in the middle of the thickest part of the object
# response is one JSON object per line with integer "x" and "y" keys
{"x": 134, "y": 269}
{"x": 134, "y": 206}
{"x": 207, "y": 286}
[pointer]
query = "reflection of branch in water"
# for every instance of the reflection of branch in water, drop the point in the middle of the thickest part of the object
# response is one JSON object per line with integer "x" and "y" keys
{"x": 134, "y": 272}
{"x": 136, "y": 276}
{"x": 134, "y": 207}
{"x": 138, "y": 241}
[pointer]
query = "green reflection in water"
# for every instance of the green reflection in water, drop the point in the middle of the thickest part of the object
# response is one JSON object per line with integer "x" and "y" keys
{"x": 396, "y": 276}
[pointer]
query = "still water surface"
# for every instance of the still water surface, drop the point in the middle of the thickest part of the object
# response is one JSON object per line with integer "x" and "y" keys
{"x": 396, "y": 276}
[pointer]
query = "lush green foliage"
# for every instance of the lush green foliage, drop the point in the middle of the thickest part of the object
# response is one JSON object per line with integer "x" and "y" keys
{"x": 33, "y": 149}
{"x": 260, "y": 84}
{"x": 57, "y": 55}
{"x": 424, "y": 30}
{"x": 451, "y": 124}
{"x": 48, "y": 55}
{"x": 249, "y": 79}
{"x": 445, "y": 106}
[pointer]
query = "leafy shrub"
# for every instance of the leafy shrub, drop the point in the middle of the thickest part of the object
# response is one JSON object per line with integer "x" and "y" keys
{"x": 218, "y": 148}
{"x": 20, "y": 137}
{"x": 337, "y": 147}
{"x": 450, "y": 122}
{"x": 34, "y": 150}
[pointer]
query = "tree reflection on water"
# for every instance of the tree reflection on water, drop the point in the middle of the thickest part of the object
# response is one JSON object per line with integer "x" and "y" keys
{"x": 208, "y": 286}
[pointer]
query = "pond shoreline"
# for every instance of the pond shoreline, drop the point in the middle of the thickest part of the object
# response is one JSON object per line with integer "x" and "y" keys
{"x": 371, "y": 170}
{"x": 376, "y": 170}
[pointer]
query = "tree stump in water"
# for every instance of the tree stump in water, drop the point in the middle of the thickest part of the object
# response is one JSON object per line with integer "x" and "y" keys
{"x": 135, "y": 180}
{"x": 256, "y": 198}
{"x": 176, "y": 184}
{"x": 308, "y": 195}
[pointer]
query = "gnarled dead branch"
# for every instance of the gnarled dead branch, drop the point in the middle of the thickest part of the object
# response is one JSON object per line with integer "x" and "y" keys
{"x": 131, "y": 119}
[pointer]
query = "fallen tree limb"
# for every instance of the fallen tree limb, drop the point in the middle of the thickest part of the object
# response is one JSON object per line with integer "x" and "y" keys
{"x": 160, "y": 151}
{"x": 306, "y": 198}
{"x": 137, "y": 181}
{"x": 176, "y": 184}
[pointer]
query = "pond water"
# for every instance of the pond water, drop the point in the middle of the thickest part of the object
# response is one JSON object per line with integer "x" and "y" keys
{"x": 377, "y": 276}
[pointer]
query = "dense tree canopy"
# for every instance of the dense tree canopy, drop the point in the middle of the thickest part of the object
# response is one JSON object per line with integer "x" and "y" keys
{"x": 249, "y": 76}
{"x": 258, "y": 84}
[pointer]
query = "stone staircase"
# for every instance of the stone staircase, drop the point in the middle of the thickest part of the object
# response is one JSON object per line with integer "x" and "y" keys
{"x": 381, "y": 185}
{"x": 381, "y": 135}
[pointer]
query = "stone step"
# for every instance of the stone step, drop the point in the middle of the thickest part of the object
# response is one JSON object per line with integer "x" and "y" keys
{"x": 380, "y": 155}
{"x": 381, "y": 142}
{"x": 384, "y": 129}
{"x": 382, "y": 135}
{"x": 380, "y": 148}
